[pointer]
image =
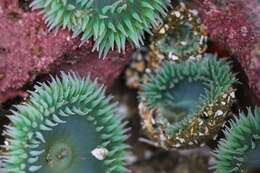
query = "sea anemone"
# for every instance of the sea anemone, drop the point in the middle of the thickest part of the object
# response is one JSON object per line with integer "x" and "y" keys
{"x": 180, "y": 38}
{"x": 186, "y": 104}
{"x": 109, "y": 22}
{"x": 239, "y": 152}
{"x": 67, "y": 125}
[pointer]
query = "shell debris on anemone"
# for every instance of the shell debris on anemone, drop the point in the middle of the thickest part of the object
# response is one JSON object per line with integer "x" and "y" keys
{"x": 109, "y": 23}
{"x": 67, "y": 125}
{"x": 184, "y": 105}
{"x": 181, "y": 37}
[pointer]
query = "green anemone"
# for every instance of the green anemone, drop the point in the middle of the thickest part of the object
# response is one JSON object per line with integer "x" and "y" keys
{"x": 180, "y": 42}
{"x": 109, "y": 22}
{"x": 186, "y": 99}
{"x": 182, "y": 36}
{"x": 66, "y": 126}
{"x": 239, "y": 152}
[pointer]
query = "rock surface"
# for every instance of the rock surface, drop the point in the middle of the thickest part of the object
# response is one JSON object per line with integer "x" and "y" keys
{"x": 84, "y": 61}
{"x": 234, "y": 26}
{"x": 27, "y": 49}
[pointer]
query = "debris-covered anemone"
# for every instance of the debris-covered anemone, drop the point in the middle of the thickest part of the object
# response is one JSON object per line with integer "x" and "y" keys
{"x": 180, "y": 38}
{"x": 67, "y": 125}
{"x": 239, "y": 152}
{"x": 110, "y": 23}
{"x": 186, "y": 104}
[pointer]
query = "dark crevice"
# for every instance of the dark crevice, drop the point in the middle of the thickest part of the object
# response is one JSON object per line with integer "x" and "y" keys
{"x": 9, "y": 104}
{"x": 25, "y": 5}
{"x": 245, "y": 96}
{"x": 4, "y": 111}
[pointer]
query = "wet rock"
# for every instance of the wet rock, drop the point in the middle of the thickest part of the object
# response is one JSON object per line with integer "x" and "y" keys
{"x": 28, "y": 49}
{"x": 234, "y": 26}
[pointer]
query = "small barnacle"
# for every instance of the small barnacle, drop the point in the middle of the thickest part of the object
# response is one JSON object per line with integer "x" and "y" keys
{"x": 239, "y": 152}
{"x": 109, "y": 23}
{"x": 183, "y": 99}
{"x": 181, "y": 37}
{"x": 67, "y": 125}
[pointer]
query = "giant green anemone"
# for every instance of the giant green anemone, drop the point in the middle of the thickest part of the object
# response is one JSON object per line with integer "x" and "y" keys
{"x": 66, "y": 126}
{"x": 239, "y": 152}
{"x": 185, "y": 104}
{"x": 109, "y": 22}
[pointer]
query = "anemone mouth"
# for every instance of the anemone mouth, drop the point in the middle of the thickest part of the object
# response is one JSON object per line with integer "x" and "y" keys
{"x": 180, "y": 102}
{"x": 110, "y": 23}
{"x": 69, "y": 148}
{"x": 188, "y": 98}
{"x": 59, "y": 157}
{"x": 67, "y": 125}
{"x": 239, "y": 151}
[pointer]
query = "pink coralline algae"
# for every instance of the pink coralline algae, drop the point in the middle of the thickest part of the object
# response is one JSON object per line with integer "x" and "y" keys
{"x": 28, "y": 49}
{"x": 234, "y": 25}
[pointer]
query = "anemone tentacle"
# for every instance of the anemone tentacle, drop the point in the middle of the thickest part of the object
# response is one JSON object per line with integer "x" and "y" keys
{"x": 239, "y": 151}
{"x": 110, "y": 23}
{"x": 185, "y": 104}
{"x": 67, "y": 125}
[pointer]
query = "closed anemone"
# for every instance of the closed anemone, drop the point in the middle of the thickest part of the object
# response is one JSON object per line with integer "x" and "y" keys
{"x": 239, "y": 152}
{"x": 67, "y": 125}
{"x": 180, "y": 42}
{"x": 181, "y": 37}
{"x": 109, "y": 23}
{"x": 185, "y": 105}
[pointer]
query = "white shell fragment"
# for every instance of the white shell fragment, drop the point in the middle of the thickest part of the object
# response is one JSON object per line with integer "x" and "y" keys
{"x": 99, "y": 153}
{"x": 219, "y": 113}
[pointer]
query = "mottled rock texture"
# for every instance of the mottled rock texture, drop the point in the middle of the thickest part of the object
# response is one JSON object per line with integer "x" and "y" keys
{"x": 27, "y": 49}
{"x": 234, "y": 26}
{"x": 84, "y": 61}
